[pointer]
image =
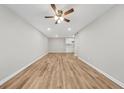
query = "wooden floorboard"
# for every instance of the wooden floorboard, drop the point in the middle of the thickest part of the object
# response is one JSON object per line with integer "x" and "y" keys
{"x": 59, "y": 71}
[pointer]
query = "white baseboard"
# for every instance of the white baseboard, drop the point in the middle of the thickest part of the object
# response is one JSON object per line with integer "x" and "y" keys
{"x": 104, "y": 73}
{"x": 59, "y": 52}
{"x": 12, "y": 75}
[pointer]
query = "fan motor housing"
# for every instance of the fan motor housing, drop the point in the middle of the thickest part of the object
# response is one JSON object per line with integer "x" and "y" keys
{"x": 60, "y": 12}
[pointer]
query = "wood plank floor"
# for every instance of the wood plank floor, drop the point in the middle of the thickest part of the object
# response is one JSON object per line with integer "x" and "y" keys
{"x": 59, "y": 71}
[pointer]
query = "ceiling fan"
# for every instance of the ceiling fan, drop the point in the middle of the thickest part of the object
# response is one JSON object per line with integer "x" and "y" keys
{"x": 59, "y": 14}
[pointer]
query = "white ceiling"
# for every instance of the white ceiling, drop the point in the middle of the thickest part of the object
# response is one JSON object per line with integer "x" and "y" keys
{"x": 83, "y": 15}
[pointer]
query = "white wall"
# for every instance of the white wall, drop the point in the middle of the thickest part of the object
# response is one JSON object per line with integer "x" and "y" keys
{"x": 56, "y": 44}
{"x": 102, "y": 43}
{"x": 20, "y": 43}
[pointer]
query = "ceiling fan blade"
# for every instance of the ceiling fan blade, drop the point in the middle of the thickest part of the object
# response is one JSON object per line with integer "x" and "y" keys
{"x": 49, "y": 16}
{"x": 53, "y": 7}
{"x": 69, "y": 11}
{"x": 67, "y": 20}
{"x": 56, "y": 22}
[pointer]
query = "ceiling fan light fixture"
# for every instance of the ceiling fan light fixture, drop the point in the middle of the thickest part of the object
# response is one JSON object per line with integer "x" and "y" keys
{"x": 61, "y": 18}
{"x": 59, "y": 21}
{"x": 55, "y": 17}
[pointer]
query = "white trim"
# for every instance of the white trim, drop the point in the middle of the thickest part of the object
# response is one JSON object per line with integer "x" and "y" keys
{"x": 104, "y": 73}
{"x": 12, "y": 75}
{"x": 59, "y": 52}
